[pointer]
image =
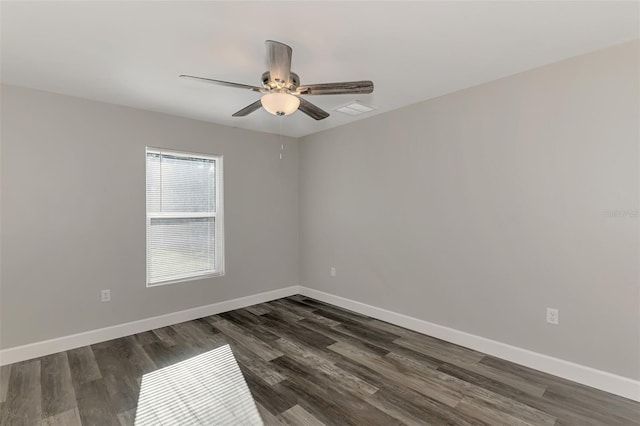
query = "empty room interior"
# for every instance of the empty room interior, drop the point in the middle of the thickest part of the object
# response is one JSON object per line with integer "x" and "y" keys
{"x": 320, "y": 213}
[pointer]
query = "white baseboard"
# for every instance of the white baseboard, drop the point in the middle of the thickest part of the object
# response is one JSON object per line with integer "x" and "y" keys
{"x": 47, "y": 347}
{"x": 598, "y": 379}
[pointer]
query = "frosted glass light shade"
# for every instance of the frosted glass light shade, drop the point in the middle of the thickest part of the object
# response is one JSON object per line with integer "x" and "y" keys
{"x": 280, "y": 103}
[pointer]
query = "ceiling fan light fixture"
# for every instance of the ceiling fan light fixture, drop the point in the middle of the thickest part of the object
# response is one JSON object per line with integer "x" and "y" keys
{"x": 280, "y": 103}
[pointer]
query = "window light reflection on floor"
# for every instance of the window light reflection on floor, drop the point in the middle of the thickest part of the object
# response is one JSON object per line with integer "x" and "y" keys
{"x": 208, "y": 389}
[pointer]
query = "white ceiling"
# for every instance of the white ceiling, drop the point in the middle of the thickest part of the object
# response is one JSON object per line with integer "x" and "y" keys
{"x": 130, "y": 53}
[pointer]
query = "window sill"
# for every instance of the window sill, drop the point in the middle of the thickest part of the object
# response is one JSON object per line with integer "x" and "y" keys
{"x": 189, "y": 278}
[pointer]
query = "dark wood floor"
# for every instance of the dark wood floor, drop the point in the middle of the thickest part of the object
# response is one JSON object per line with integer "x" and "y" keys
{"x": 293, "y": 361}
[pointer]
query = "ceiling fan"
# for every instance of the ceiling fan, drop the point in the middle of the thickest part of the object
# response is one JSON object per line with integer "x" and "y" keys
{"x": 281, "y": 89}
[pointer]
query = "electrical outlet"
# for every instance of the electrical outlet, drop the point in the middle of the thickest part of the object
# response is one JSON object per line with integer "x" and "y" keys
{"x": 105, "y": 295}
{"x": 553, "y": 316}
{"x": 333, "y": 271}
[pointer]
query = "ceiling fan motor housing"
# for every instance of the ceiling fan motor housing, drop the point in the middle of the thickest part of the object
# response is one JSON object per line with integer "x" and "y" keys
{"x": 294, "y": 81}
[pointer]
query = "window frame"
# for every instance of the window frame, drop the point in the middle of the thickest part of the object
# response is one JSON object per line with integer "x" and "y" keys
{"x": 218, "y": 216}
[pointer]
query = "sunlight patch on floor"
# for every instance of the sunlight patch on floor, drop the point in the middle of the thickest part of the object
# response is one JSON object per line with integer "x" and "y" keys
{"x": 207, "y": 389}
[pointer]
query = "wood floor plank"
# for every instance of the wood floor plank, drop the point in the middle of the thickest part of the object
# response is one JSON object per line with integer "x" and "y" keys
{"x": 161, "y": 355}
{"x": 443, "y": 351}
{"x": 130, "y": 349}
{"x": 492, "y": 379}
{"x": 120, "y": 374}
{"x": 212, "y": 334}
{"x": 184, "y": 350}
{"x": 123, "y": 391}
{"x": 212, "y": 319}
{"x": 199, "y": 336}
{"x": 58, "y": 394}
{"x": 285, "y": 314}
{"x": 24, "y": 405}
{"x": 5, "y": 373}
{"x": 483, "y": 397}
{"x": 252, "y": 323}
{"x": 444, "y": 394}
{"x": 393, "y": 329}
{"x": 359, "y": 326}
{"x": 404, "y": 362}
{"x": 275, "y": 399}
{"x": 361, "y": 331}
{"x": 338, "y": 336}
{"x": 344, "y": 314}
{"x": 297, "y": 415}
{"x": 142, "y": 419}
{"x": 328, "y": 370}
{"x": 83, "y": 365}
{"x": 146, "y": 338}
{"x": 606, "y": 411}
{"x": 165, "y": 334}
{"x": 395, "y": 410}
{"x": 268, "y": 419}
{"x": 563, "y": 413}
{"x": 386, "y": 347}
{"x": 407, "y": 404}
{"x": 305, "y": 311}
{"x": 324, "y": 400}
{"x": 128, "y": 418}
{"x": 507, "y": 379}
{"x": 258, "y": 309}
{"x": 257, "y": 365}
{"x": 361, "y": 371}
{"x": 243, "y": 338}
{"x": 576, "y": 396}
{"x": 94, "y": 404}
{"x": 590, "y": 396}
{"x": 340, "y": 316}
{"x": 66, "y": 418}
{"x": 478, "y": 399}
{"x": 488, "y": 415}
{"x": 311, "y": 355}
{"x": 526, "y": 373}
{"x": 113, "y": 357}
{"x": 280, "y": 326}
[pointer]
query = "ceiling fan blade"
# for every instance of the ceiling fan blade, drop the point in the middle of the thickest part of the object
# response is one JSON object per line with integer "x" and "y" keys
{"x": 343, "y": 88}
{"x": 224, "y": 83}
{"x": 311, "y": 110}
{"x": 248, "y": 109}
{"x": 279, "y": 59}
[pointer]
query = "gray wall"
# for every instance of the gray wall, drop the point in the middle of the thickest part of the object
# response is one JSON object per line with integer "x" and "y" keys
{"x": 73, "y": 214}
{"x": 479, "y": 209}
{"x": 476, "y": 211}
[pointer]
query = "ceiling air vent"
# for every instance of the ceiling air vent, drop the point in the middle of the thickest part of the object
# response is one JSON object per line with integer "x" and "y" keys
{"x": 354, "y": 108}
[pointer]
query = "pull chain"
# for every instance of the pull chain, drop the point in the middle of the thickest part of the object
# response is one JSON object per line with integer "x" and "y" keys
{"x": 281, "y": 142}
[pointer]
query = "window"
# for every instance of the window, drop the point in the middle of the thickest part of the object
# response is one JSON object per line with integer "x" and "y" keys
{"x": 184, "y": 216}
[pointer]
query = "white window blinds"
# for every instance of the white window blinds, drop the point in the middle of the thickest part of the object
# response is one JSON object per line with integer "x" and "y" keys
{"x": 184, "y": 216}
